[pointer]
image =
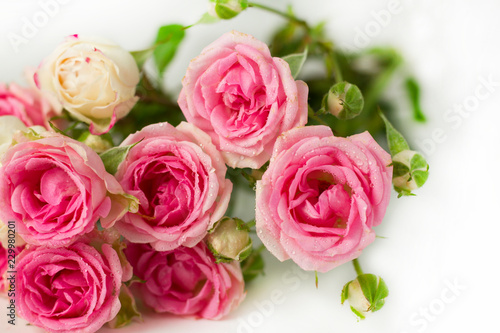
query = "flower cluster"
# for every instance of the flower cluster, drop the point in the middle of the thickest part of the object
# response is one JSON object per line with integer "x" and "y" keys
{"x": 101, "y": 221}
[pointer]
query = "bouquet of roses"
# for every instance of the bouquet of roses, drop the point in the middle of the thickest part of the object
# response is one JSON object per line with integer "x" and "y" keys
{"x": 112, "y": 191}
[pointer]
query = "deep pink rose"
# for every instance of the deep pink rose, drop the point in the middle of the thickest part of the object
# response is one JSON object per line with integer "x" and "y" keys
{"x": 186, "y": 281}
{"x": 321, "y": 196}
{"x": 179, "y": 178}
{"x": 243, "y": 98}
{"x": 3, "y": 267}
{"x": 7, "y": 256}
{"x": 56, "y": 189}
{"x": 73, "y": 289}
{"x": 26, "y": 104}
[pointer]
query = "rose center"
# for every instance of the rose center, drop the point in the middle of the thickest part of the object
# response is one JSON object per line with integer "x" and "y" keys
{"x": 171, "y": 190}
{"x": 85, "y": 81}
{"x": 321, "y": 201}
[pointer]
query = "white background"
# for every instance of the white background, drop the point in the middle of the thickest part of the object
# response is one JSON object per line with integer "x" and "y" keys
{"x": 447, "y": 234}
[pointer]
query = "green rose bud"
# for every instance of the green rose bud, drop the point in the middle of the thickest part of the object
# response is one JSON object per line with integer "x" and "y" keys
{"x": 365, "y": 294}
{"x": 410, "y": 171}
{"x": 229, "y": 240}
{"x": 98, "y": 143}
{"x": 226, "y": 9}
{"x": 344, "y": 101}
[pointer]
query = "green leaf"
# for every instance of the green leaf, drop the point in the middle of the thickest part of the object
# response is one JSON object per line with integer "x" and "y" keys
{"x": 399, "y": 169}
{"x": 345, "y": 293}
{"x": 357, "y": 313}
{"x": 420, "y": 177}
{"x": 380, "y": 295}
{"x": 374, "y": 289}
{"x": 396, "y": 141}
{"x": 114, "y": 156}
{"x": 167, "y": 40}
{"x": 296, "y": 61}
{"x": 253, "y": 266}
{"x": 134, "y": 279}
{"x": 57, "y": 130}
{"x": 141, "y": 56}
{"x": 418, "y": 162}
{"x": 128, "y": 310}
{"x": 413, "y": 90}
{"x": 207, "y": 19}
{"x": 368, "y": 283}
{"x": 245, "y": 253}
{"x": 403, "y": 192}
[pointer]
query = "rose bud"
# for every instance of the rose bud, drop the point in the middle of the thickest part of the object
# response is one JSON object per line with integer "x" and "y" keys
{"x": 98, "y": 143}
{"x": 226, "y": 9}
{"x": 344, "y": 101}
{"x": 229, "y": 240}
{"x": 365, "y": 294}
{"x": 410, "y": 171}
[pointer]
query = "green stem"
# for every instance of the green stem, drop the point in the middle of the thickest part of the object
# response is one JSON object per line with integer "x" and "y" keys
{"x": 280, "y": 13}
{"x": 336, "y": 68}
{"x": 357, "y": 267}
{"x": 311, "y": 114}
{"x": 377, "y": 87}
{"x": 331, "y": 56}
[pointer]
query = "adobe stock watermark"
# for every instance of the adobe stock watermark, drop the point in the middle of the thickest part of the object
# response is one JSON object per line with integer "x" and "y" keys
{"x": 421, "y": 319}
{"x": 454, "y": 116}
{"x": 380, "y": 20}
{"x": 292, "y": 279}
{"x": 32, "y": 24}
{"x": 11, "y": 272}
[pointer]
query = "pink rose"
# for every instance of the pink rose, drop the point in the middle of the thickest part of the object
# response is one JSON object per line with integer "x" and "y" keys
{"x": 56, "y": 189}
{"x": 321, "y": 196}
{"x": 179, "y": 178}
{"x": 8, "y": 256}
{"x": 73, "y": 289}
{"x": 26, "y": 104}
{"x": 243, "y": 98}
{"x": 186, "y": 281}
{"x": 3, "y": 268}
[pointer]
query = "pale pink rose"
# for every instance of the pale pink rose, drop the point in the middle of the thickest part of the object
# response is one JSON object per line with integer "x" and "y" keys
{"x": 73, "y": 289}
{"x": 93, "y": 79}
{"x": 56, "y": 189}
{"x": 243, "y": 98}
{"x": 186, "y": 281}
{"x": 179, "y": 178}
{"x": 321, "y": 196}
{"x": 26, "y": 104}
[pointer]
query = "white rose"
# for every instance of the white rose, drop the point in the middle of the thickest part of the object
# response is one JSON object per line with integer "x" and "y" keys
{"x": 94, "y": 80}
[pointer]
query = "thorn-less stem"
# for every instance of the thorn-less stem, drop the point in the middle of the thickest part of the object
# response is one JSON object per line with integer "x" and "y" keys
{"x": 280, "y": 13}
{"x": 330, "y": 52}
{"x": 357, "y": 267}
